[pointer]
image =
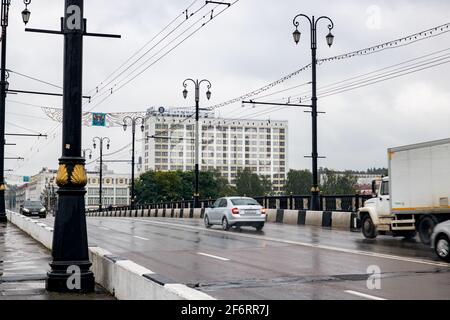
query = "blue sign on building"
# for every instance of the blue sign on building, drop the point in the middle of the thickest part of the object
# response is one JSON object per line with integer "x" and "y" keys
{"x": 26, "y": 179}
{"x": 99, "y": 120}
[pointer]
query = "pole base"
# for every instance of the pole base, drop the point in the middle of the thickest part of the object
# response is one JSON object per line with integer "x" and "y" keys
{"x": 3, "y": 219}
{"x": 63, "y": 283}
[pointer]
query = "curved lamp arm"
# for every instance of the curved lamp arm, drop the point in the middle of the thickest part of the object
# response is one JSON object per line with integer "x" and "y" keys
{"x": 330, "y": 26}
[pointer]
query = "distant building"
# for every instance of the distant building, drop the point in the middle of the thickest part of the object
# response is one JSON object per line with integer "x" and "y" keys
{"x": 116, "y": 188}
{"x": 228, "y": 145}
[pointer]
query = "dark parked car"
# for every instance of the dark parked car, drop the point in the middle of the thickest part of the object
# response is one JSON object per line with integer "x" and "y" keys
{"x": 33, "y": 208}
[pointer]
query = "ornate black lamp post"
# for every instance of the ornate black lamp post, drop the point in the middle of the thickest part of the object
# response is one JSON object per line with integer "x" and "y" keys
{"x": 315, "y": 191}
{"x": 85, "y": 152}
{"x": 133, "y": 121}
{"x": 3, "y": 89}
{"x": 101, "y": 140}
{"x": 197, "y": 131}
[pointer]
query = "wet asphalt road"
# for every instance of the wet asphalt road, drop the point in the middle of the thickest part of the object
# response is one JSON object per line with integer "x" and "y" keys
{"x": 23, "y": 268}
{"x": 281, "y": 262}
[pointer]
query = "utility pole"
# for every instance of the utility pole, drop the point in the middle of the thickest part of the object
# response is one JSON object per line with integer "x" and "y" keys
{"x": 133, "y": 121}
{"x": 108, "y": 141}
{"x": 3, "y": 89}
{"x": 315, "y": 190}
{"x": 70, "y": 243}
{"x": 197, "y": 132}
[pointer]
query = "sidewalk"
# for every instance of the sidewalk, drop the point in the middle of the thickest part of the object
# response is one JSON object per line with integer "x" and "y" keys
{"x": 23, "y": 267}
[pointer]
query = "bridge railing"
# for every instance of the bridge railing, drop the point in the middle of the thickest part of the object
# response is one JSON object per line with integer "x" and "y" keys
{"x": 344, "y": 203}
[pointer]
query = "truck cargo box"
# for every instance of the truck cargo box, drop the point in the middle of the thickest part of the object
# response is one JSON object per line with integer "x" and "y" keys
{"x": 420, "y": 178}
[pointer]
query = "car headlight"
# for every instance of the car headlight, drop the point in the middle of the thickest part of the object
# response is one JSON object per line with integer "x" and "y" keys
{"x": 26, "y": 210}
{"x": 43, "y": 210}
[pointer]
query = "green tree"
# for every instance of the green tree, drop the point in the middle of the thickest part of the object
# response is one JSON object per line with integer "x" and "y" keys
{"x": 178, "y": 185}
{"x": 335, "y": 184}
{"x": 251, "y": 185}
{"x": 298, "y": 182}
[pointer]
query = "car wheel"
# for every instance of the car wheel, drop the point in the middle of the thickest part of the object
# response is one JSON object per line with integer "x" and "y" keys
{"x": 368, "y": 228}
{"x": 260, "y": 226}
{"x": 225, "y": 224}
{"x": 442, "y": 247}
{"x": 425, "y": 228}
{"x": 207, "y": 224}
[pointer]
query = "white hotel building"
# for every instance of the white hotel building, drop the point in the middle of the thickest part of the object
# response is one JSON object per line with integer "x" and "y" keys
{"x": 226, "y": 144}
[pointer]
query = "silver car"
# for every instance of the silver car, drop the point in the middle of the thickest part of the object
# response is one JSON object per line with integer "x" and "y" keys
{"x": 440, "y": 240}
{"x": 235, "y": 211}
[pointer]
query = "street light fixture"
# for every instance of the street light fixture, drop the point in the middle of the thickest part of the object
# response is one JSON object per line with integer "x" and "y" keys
{"x": 315, "y": 191}
{"x": 197, "y": 84}
{"x": 4, "y": 87}
{"x": 101, "y": 141}
{"x": 26, "y": 13}
{"x": 297, "y": 36}
{"x": 134, "y": 121}
{"x": 90, "y": 153}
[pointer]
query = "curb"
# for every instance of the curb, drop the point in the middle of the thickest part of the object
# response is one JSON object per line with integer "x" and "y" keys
{"x": 325, "y": 219}
{"x": 123, "y": 278}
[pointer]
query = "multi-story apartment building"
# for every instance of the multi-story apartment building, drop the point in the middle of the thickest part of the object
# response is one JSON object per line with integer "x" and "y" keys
{"x": 228, "y": 145}
{"x": 116, "y": 187}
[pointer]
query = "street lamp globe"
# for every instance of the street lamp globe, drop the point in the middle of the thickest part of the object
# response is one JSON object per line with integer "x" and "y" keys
{"x": 296, "y": 35}
{"x": 95, "y": 145}
{"x": 142, "y": 128}
{"x": 107, "y": 146}
{"x": 330, "y": 39}
{"x": 185, "y": 93}
{"x": 6, "y": 85}
{"x": 124, "y": 127}
{"x": 208, "y": 94}
{"x": 26, "y": 16}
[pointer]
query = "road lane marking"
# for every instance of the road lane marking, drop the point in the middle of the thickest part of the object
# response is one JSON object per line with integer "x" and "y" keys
{"x": 304, "y": 244}
{"x": 145, "y": 239}
{"x": 363, "y": 295}
{"x": 214, "y": 257}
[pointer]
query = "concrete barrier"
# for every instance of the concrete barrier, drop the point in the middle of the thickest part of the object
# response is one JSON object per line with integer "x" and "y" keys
{"x": 123, "y": 278}
{"x": 326, "y": 219}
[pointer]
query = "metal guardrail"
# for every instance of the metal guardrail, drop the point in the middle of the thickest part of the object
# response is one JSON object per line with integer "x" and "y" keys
{"x": 344, "y": 203}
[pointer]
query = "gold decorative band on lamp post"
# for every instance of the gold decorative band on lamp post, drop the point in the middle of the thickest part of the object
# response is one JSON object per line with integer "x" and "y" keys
{"x": 78, "y": 176}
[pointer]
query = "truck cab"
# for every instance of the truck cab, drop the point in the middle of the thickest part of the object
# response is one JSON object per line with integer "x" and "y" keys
{"x": 376, "y": 216}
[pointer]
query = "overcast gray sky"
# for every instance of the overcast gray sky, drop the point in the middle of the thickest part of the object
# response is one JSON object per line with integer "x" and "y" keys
{"x": 246, "y": 47}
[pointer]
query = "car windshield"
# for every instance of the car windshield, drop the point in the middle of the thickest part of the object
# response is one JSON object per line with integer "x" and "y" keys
{"x": 33, "y": 204}
{"x": 245, "y": 202}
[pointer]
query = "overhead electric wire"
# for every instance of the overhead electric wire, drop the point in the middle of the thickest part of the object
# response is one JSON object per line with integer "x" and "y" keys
{"x": 374, "y": 72}
{"x": 393, "y": 77}
{"x": 426, "y": 34}
{"x": 35, "y": 79}
{"x": 106, "y": 86}
{"x": 383, "y": 75}
{"x": 166, "y": 53}
{"x": 143, "y": 47}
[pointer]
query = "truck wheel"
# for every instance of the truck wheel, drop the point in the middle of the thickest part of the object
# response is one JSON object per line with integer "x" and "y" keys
{"x": 442, "y": 247}
{"x": 425, "y": 228}
{"x": 368, "y": 228}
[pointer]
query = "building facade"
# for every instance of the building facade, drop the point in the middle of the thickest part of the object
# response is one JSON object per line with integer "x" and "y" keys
{"x": 228, "y": 145}
{"x": 116, "y": 188}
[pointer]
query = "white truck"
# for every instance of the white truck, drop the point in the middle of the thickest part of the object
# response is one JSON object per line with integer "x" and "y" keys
{"x": 415, "y": 196}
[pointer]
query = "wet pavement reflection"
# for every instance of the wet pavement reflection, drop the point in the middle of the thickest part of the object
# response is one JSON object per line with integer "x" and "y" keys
{"x": 23, "y": 267}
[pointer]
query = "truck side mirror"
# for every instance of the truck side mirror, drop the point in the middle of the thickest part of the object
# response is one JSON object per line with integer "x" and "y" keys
{"x": 374, "y": 188}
